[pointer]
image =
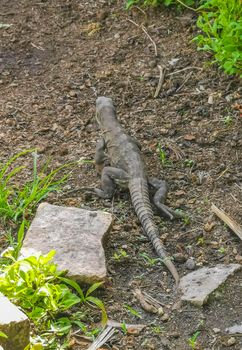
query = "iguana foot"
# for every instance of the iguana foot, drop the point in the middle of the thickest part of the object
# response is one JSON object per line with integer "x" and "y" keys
{"x": 159, "y": 198}
{"x": 110, "y": 176}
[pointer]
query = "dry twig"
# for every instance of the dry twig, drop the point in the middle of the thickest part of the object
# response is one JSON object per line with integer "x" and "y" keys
{"x": 183, "y": 69}
{"x": 235, "y": 227}
{"x": 161, "y": 81}
{"x": 146, "y": 33}
{"x": 148, "y": 303}
{"x": 184, "y": 82}
{"x": 103, "y": 337}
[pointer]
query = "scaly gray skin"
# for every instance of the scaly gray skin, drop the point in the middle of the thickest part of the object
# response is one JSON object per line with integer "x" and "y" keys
{"x": 127, "y": 168}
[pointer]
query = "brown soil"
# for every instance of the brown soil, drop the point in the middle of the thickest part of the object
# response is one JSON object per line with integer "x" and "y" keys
{"x": 56, "y": 58}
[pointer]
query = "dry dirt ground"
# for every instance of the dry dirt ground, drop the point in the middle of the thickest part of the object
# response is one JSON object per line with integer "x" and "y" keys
{"x": 56, "y": 58}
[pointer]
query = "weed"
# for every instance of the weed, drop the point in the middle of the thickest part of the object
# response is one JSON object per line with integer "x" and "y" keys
{"x": 186, "y": 220}
{"x": 221, "y": 25}
{"x": 121, "y": 254}
{"x": 228, "y": 120}
{"x": 17, "y": 202}
{"x": 157, "y": 329}
{"x": 3, "y": 335}
{"x": 124, "y": 328}
{"x": 150, "y": 261}
{"x": 222, "y": 250}
{"x": 192, "y": 341}
{"x": 189, "y": 163}
{"x": 200, "y": 241}
{"x": 163, "y": 156}
{"x": 132, "y": 311}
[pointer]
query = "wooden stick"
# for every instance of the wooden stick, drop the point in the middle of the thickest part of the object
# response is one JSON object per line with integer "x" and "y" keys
{"x": 235, "y": 227}
{"x": 161, "y": 81}
{"x": 146, "y": 33}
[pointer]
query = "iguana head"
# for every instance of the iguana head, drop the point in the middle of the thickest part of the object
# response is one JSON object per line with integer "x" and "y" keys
{"x": 104, "y": 104}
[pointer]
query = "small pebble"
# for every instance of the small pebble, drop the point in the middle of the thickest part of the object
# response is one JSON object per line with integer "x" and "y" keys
{"x": 231, "y": 341}
{"x": 190, "y": 264}
{"x": 216, "y": 330}
{"x": 179, "y": 257}
{"x": 160, "y": 311}
{"x": 72, "y": 93}
{"x": 165, "y": 318}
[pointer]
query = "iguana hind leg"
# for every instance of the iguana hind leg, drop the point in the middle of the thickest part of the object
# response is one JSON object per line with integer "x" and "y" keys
{"x": 110, "y": 177}
{"x": 159, "y": 198}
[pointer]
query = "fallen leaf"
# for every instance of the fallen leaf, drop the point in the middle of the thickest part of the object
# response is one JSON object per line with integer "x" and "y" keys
{"x": 189, "y": 137}
{"x": 209, "y": 226}
{"x": 179, "y": 193}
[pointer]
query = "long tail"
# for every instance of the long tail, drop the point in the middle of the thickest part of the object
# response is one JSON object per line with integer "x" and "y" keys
{"x": 140, "y": 198}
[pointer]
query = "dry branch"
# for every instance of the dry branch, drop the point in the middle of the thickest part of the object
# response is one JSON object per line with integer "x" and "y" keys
{"x": 235, "y": 227}
{"x": 161, "y": 81}
{"x": 142, "y": 27}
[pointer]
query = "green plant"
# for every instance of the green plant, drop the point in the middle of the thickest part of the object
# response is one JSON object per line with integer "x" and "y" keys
{"x": 121, "y": 254}
{"x": 132, "y": 311}
{"x": 3, "y": 335}
{"x": 157, "y": 329}
{"x": 192, "y": 341}
{"x": 221, "y": 25}
{"x": 189, "y": 163}
{"x": 35, "y": 284}
{"x": 222, "y": 250}
{"x": 163, "y": 156}
{"x": 228, "y": 120}
{"x": 32, "y": 284}
{"x": 150, "y": 261}
{"x": 186, "y": 220}
{"x": 124, "y": 328}
{"x": 18, "y": 201}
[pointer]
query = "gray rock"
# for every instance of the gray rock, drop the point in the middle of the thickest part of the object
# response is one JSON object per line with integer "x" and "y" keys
{"x": 198, "y": 285}
{"x": 75, "y": 234}
{"x": 236, "y": 329}
{"x": 190, "y": 264}
{"x": 15, "y": 324}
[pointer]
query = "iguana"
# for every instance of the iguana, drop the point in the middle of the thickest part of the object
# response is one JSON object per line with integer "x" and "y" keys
{"x": 126, "y": 167}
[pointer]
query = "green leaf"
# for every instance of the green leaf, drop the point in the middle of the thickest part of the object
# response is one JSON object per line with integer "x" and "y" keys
{"x": 93, "y": 288}
{"x": 3, "y": 335}
{"x": 74, "y": 285}
{"x": 100, "y": 305}
{"x": 132, "y": 311}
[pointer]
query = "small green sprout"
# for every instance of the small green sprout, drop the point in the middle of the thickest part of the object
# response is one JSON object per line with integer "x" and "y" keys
{"x": 124, "y": 328}
{"x": 222, "y": 250}
{"x": 117, "y": 256}
{"x": 189, "y": 163}
{"x": 192, "y": 341}
{"x": 132, "y": 311}
{"x": 150, "y": 261}
{"x": 228, "y": 120}
{"x": 186, "y": 220}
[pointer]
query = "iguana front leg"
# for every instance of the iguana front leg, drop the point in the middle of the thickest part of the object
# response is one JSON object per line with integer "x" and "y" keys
{"x": 100, "y": 156}
{"x": 159, "y": 198}
{"x": 109, "y": 178}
